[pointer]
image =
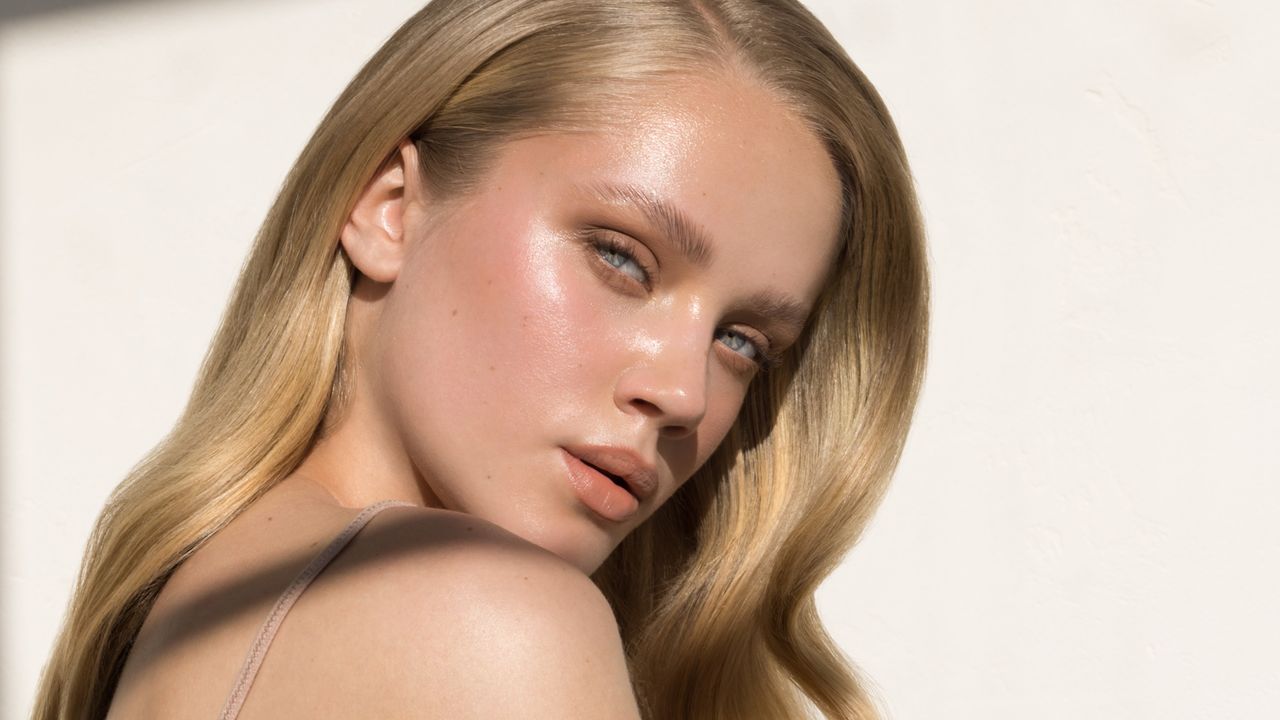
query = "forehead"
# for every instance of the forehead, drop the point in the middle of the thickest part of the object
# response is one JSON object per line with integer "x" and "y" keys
{"x": 726, "y": 154}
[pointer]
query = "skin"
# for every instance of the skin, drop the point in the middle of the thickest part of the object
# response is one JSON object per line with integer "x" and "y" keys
{"x": 488, "y": 333}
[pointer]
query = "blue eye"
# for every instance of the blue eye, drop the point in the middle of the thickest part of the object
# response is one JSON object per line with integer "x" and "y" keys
{"x": 614, "y": 254}
{"x": 759, "y": 358}
{"x": 740, "y": 341}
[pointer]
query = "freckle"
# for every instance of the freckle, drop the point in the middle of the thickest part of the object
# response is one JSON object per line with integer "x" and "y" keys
{"x": 490, "y": 367}
{"x": 455, "y": 311}
{"x": 469, "y": 528}
{"x": 487, "y": 476}
{"x": 489, "y": 282}
{"x": 268, "y": 518}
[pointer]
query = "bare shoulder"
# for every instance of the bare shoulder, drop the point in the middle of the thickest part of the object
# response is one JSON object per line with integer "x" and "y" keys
{"x": 430, "y": 613}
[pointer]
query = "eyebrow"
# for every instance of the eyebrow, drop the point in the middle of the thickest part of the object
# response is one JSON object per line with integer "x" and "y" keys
{"x": 693, "y": 242}
{"x": 782, "y": 308}
{"x": 689, "y": 237}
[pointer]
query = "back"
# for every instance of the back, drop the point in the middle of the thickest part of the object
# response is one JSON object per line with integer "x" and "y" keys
{"x": 189, "y": 651}
{"x": 266, "y": 634}
{"x": 425, "y": 613}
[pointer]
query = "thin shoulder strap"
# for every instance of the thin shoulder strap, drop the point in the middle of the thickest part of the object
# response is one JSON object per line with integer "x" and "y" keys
{"x": 268, "y": 631}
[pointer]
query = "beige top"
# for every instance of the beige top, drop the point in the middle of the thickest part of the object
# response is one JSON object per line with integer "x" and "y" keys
{"x": 262, "y": 642}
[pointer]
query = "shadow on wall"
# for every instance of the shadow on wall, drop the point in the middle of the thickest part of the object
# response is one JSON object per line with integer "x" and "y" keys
{"x": 15, "y": 11}
{"x": 20, "y": 9}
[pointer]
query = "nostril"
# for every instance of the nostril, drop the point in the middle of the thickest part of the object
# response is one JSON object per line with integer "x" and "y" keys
{"x": 675, "y": 432}
{"x": 647, "y": 407}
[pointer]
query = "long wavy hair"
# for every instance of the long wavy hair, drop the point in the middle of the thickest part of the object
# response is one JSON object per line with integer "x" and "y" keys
{"x": 714, "y": 594}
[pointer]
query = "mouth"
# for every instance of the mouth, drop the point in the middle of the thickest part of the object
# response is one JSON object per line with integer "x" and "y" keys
{"x": 605, "y": 492}
{"x": 625, "y": 467}
{"x": 616, "y": 479}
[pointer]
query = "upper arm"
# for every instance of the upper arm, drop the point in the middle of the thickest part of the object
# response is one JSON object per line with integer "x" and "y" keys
{"x": 465, "y": 620}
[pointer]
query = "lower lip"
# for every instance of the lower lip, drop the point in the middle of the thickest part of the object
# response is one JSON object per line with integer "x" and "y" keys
{"x": 597, "y": 491}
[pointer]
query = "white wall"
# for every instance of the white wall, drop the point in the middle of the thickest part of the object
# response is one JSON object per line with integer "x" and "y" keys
{"x": 1084, "y": 520}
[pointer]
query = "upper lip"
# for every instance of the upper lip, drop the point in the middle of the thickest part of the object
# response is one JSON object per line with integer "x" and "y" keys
{"x": 639, "y": 474}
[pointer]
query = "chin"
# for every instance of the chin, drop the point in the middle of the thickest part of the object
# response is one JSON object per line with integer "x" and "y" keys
{"x": 580, "y": 543}
{"x": 573, "y": 534}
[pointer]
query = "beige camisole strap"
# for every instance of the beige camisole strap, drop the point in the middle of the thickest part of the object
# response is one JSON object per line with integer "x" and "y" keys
{"x": 268, "y": 631}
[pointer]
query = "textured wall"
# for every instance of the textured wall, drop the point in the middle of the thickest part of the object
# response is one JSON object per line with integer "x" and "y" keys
{"x": 1084, "y": 520}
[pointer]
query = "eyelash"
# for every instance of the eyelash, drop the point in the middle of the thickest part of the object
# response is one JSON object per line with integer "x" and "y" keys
{"x": 764, "y": 360}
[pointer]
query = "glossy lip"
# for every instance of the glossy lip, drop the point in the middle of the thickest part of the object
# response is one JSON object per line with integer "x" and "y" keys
{"x": 640, "y": 475}
{"x": 597, "y": 491}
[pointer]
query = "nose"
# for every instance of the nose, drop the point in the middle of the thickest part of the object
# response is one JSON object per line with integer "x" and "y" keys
{"x": 668, "y": 385}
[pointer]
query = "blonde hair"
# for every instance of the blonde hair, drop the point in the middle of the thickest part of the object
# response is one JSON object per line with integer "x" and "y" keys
{"x": 715, "y": 593}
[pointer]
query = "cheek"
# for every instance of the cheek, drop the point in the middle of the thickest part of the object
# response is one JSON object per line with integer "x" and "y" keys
{"x": 551, "y": 328}
{"x": 715, "y": 425}
{"x": 723, "y": 407}
{"x": 496, "y": 326}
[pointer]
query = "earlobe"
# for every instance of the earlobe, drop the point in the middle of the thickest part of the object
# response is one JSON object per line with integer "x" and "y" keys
{"x": 374, "y": 234}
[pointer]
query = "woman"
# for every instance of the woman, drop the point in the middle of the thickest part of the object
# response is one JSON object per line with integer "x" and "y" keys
{"x": 578, "y": 347}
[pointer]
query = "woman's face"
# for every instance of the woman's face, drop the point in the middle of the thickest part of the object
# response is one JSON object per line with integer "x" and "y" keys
{"x": 612, "y": 289}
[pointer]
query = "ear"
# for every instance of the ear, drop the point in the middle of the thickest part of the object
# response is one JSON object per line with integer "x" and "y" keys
{"x": 374, "y": 234}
